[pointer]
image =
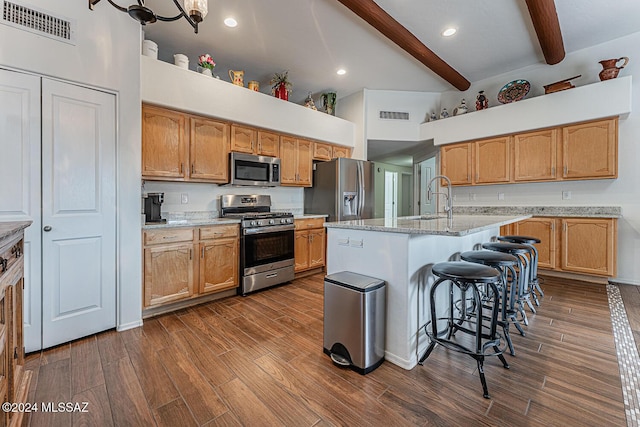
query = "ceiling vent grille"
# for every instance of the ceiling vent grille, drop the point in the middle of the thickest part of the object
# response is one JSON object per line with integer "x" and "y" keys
{"x": 394, "y": 115}
{"x": 38, "y": 22}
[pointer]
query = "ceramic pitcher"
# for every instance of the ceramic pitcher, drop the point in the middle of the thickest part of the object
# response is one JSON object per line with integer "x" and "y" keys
{"x": 237, "y": 77}
{"x": 609, "y": 69}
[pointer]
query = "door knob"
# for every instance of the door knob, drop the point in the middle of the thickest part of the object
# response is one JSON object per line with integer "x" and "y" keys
{"x": 47, "y": 228}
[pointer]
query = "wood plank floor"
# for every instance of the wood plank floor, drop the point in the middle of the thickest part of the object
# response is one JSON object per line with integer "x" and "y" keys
{"x": 631, "y": 297}
{"x": 258, "y": 361}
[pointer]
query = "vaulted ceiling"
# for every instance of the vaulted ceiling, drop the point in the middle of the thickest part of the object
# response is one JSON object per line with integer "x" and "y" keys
{"x": 314, "y": 38}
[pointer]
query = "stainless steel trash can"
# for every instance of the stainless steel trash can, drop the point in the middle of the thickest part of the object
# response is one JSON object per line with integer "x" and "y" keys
{"x": 354, "y": 320}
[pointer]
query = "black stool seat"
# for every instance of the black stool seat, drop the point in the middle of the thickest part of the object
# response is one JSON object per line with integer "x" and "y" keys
{"x": 527, "y": 240}
{"x": 510, "y": 248}
{"x": 491, "y": 258}
{"x": 466, "y": 272}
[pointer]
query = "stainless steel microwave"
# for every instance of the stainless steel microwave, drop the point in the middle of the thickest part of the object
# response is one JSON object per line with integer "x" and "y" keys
{"x": 249, "y": 169}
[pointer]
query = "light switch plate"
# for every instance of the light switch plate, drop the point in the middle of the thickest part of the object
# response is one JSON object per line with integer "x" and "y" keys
{"x": 566, "y": 195}
{"x": 500, "y": 196}
{"x": 184, "y": 198}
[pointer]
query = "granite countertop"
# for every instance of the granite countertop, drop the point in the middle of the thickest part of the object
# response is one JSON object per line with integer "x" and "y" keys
{"x": 10, "y": 227}
{"x": 459, "y": 225}
{"x": 189, "y": 223}
{"x": 563, "y": 211}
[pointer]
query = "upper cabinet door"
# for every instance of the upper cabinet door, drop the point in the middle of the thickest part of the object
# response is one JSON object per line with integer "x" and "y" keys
{"x": 288, "y": 160}
{"x": 163, "y": 143}
{"x": 209, "y": 150}
{"x": 322, "y": 151}
{"x": 455, "y": 163}
{"x": 492, "y": 160}
{"x": 243, "y": 139}
{"x": 535, "y": 155}
{"x": 305, "y": 162}
{"x": 268, "y": 144}
{"x": 341, "y": 152}
{"x": 590, "y": 150}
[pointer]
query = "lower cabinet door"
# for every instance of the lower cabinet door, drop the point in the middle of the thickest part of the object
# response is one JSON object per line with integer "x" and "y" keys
{"x": 218, "y": 265}
{"x": 168, "y": 274}
{"x": 316, "y": 248}
{"x": 589, "y": 245}
{"x": 301, "y": 250}
{"x": 545, "y": 230}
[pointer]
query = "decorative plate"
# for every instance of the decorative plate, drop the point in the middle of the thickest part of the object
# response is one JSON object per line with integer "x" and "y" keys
{"x": 514, "y": 91}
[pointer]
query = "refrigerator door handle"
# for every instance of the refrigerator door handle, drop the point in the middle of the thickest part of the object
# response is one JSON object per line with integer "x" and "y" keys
{"x": 361, "y": 189}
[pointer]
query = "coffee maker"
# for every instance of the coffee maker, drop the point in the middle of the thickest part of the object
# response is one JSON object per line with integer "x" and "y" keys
{"x": 152, "y": 205}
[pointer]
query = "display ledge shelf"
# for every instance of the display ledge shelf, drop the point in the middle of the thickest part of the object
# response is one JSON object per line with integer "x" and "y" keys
{"x": 595, "y": 101}
{"x": 167, "y": 85}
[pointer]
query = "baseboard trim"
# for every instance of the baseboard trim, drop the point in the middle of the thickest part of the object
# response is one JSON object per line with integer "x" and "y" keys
{"x": 130, "y": 325}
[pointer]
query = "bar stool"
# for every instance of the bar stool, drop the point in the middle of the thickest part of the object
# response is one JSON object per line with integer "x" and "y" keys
{"x": 521, "y": 252}
{"x": 506, "y": 264}
{"x": 533, "y": 276}
{"x": 476, "y": 315}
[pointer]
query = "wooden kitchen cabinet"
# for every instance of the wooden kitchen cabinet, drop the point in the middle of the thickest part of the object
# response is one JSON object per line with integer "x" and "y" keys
{"x": 578, "y": 245}
{"x": 326, "y": 151}
{"x": 184, "y": 263}
{"x": 268, "y": 144}
{"x": 535, "y": 155}
{"x": 243, "y": 139}
{"x": 590, "y": 150}
{"x": 209, "y": 150}
{"x": 589, "y": 245}
{"x": 455, "y": 163}
{"x": 182, "y": 147}
{"x": 163, "y": 143}
{"x": 543, "y": 228}
{"x": 492, "y": 160}
{"x": 249, "y": 140}
{"x": 14, "y": 379}
{"x": 219, "y": 255}
{"x": 296, "y": 161}
{"x": 309, "y": 244}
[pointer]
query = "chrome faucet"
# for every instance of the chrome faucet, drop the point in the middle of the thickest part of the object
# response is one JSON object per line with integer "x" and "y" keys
{"x": 448, "y": 207}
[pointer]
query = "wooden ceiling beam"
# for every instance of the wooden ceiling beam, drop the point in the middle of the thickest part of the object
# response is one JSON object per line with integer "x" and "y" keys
{"x": 373, "y": 14}
{"x": 545, "y": 21}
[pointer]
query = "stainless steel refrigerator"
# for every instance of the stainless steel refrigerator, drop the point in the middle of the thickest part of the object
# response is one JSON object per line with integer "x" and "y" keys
{"x": 342, "y": 188}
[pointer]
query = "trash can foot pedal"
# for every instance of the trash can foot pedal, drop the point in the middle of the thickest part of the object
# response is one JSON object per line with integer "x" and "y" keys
{"x": 340, "y": 360}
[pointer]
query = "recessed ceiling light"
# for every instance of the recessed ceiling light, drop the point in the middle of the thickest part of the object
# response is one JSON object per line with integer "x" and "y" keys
{"x": 341, "y": 72}
{"x": 449, "y": 32}
{"x": 230, "y": 22}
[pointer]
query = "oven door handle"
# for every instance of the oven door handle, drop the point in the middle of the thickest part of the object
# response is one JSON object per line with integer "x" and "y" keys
{"x": 271, "y": 229}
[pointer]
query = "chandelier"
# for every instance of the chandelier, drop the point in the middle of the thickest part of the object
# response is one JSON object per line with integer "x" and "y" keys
{"x": 193, "y": 11}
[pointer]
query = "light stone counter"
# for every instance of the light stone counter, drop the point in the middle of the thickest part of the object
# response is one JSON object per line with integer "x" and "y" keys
{"x": 459, "y": 225}
{"x": 554, "y": 211}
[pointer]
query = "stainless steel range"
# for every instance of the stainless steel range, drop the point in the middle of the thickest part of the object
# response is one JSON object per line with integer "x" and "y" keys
{"x": 266, "y": 241}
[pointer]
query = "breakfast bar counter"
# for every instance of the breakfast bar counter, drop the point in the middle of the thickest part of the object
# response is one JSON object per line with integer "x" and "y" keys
{"x": 402, "y": 251}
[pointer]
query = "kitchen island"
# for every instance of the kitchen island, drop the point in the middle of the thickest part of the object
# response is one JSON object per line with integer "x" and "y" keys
{"x": 402, "y": 251}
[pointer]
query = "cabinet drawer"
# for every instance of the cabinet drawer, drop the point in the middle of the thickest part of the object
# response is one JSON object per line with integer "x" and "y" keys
{"x": 305, "y": 224}
{"x": 154, "y": 237}
{"x": 218, "y": 231}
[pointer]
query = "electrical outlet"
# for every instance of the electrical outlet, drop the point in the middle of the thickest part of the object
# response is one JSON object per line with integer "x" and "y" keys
{"x": 500, "y": 196}
{"x": 566, "y": 195}
{"x": 472, "y": 196}
{"x": 454, "y": 197}
{"x": 184, "y": 198}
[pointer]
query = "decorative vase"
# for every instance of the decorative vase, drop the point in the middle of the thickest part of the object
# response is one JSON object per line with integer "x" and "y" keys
{"x": 609, "y": 69}
{"x": 329, "y": 103}
{"x": 206, "y": 71}
{"x": 481, "y": 101}
{"x": 281, "y": 92}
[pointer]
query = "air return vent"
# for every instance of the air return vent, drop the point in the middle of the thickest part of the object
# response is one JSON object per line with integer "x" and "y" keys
{"x": 394, "y": 115}
{"x": 38, "y": 21}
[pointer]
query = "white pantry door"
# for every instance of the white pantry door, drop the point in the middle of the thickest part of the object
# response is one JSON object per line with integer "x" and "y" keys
{"x": 20, "y": 189}
{"x": 78, "y": 212}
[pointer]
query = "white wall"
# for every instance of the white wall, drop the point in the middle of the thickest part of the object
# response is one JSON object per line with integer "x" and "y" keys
{"x": 624, "y": 191}
{"x": 418, "y": 104}
{"x": 379, "y": 185}
{"x": 352, "y": 108}
{"x": 106, "y": 56}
